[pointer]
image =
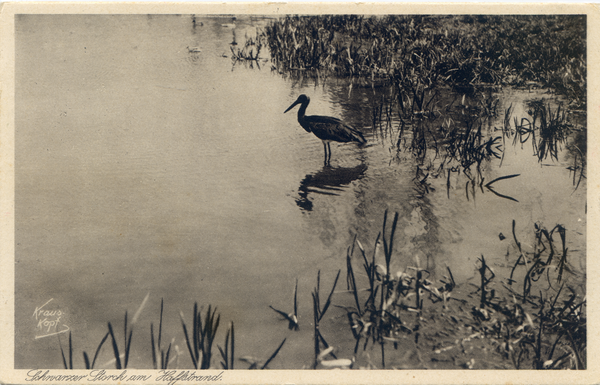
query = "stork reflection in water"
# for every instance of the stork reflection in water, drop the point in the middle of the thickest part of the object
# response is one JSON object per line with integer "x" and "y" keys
{"x": 325, "y": 128}
{"x": 327, "y": 181}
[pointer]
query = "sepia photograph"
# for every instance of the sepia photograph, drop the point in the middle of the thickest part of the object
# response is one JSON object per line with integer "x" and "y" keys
{"x": 295, "y": 191}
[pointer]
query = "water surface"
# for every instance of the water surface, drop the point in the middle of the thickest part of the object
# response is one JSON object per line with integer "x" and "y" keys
{"x": 143, "y": 166}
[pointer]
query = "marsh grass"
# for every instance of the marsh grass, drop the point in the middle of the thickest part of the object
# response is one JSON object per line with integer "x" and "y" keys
{"x": 378, "y": 320}
{"x": 529, "y": 331}
{"x": 533, "y": 319}
{"x": 418, "y": 52}
{"x": 250, "y": 51}
{"x": 398, "y": 310}
{"x": 200, "y": 342}
{"x": 68, "y": 364}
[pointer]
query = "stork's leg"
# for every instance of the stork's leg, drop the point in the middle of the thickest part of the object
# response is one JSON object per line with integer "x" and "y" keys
{"x": 326, "y": 160}
{"x": 329, "y": 156}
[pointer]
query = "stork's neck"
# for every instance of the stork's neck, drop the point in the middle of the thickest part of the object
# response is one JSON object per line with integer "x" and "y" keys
{"x": 302, "y": 110}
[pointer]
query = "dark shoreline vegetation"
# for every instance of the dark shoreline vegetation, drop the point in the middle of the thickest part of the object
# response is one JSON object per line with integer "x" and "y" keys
{"x": 532, "y": 319}
{"x": 528, "y": 314}
{"x": 418, "y": 52}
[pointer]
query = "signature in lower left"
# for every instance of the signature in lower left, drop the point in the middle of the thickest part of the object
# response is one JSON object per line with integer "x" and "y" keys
{"x": 49, "y": 321}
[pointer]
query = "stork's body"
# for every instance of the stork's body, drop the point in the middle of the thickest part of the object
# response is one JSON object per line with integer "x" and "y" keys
{"x": 325, "y": 128}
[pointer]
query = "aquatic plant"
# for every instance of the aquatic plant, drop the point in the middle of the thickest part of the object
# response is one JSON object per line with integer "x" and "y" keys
{"x": 533, "y": 319}
{"x": 292, "y": 318}
{"x": 381, "y": 322}
{"x": 202, "y": 336}
{"x": 127, "y": 347}
{"x": 532, "y": 333}
{"x": 547, "y": 50}
{"x": 251, "y": 49}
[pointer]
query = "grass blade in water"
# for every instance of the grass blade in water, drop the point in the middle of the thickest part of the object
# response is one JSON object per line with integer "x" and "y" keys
{"x": 98, "y": 350}
{"x": 160, "y": 322}
{"x": 352, "y": 282}
{"x": 187, "y": 341}
{"x": 128, "y": 348}
{"x": 70, "y": 352}
{"x": 232, "y": 344}
{"x": 86, "y": 361}
{"x": 62, "y": 353}
{"x": 295, "y": 302}
{"x": 125, "y": 331}
{"x": 501, "y": 178}
{"x": 115, "y": 347}
{"x": 274, "y": 354}
{"x": 328, "y": 302}
{"x": 154, "y": 360}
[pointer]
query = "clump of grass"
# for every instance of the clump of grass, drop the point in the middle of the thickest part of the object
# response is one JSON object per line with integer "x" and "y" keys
{"x": 538, "y": 261}
{"x": 127, "y": 347}
{"x": 202, "y": 336}
{"x": 532, "y": 333}
{"x": 557, "y": 328}
{"x": 379, "y": 321}
{"x": 250, "y": 51}
{"x": 456, "y": 50}
{"x": 551, "y": 127}
{"x": 548, "y": 129}
{"x": 68, "y": 364}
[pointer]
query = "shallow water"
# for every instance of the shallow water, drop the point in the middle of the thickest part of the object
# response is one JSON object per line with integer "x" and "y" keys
{"x": 144, "y": 168}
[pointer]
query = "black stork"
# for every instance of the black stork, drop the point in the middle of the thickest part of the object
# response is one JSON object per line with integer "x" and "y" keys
{"x": 325, "y": 128}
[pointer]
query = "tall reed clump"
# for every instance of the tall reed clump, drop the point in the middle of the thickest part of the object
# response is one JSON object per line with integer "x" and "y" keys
{"x": 455, "y": 50}
{"x": 379, "y": 319}
{"x": 200, "y": 342}
{"x": 545, "y": 331}
{"x": 529, "y": 331}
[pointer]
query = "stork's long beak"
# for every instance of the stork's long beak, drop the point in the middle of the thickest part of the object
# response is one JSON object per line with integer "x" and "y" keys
{"x": 293, "y": 105}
